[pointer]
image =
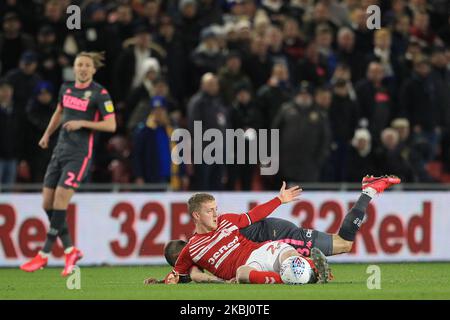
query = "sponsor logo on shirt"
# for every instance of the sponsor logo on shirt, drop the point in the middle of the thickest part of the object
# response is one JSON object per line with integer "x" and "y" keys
{"x": 75, "y": 103}
{"x": 223, "y": 249}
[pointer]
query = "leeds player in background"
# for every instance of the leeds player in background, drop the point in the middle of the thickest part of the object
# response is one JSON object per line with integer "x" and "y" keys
{"x": 84, "y": 107}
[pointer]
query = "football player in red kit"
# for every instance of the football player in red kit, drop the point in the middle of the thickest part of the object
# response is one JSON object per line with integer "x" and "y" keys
{"x": 218, "y": 247}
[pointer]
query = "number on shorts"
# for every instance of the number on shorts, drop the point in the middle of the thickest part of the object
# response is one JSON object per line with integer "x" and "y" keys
{"x": 273, "y": 247}
{"x": 69, "y": 180}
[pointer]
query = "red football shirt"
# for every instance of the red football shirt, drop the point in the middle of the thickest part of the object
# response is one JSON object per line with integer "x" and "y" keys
{"x": 223, "y": 250}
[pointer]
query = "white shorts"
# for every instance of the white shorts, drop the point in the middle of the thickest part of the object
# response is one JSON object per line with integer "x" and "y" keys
{"x": 267, "y": 257}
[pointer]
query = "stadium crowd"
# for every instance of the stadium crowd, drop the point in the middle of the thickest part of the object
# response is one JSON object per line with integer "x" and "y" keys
{"x": 347, "y": 100}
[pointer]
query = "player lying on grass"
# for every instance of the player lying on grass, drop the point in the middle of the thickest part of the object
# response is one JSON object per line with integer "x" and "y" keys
{"x": 275, "y": 229}
{"x": 218, "y": 247}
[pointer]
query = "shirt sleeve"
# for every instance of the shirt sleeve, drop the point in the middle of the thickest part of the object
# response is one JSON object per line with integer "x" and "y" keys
{"x": 184, "y": 262}
{"x": 105, "y": 104}
{"x": 256, "y": 214}
{"x": 61, "y": 92}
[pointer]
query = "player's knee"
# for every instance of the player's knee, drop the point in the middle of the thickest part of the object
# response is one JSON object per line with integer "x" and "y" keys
{"x": 242, "y": 274}
{"x": 340, "y": 245}
{"x": 348, "y": 246}
{"x": 61, "y": 199}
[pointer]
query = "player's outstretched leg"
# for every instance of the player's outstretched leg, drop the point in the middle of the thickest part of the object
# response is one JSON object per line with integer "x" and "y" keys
{"x": 343, "y": 241}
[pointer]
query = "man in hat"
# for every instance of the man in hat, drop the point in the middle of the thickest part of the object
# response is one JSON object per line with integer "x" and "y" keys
{"x": 24, "y": 79}
{"x": 304, "y": 137}
{"x": 12, "y": 42}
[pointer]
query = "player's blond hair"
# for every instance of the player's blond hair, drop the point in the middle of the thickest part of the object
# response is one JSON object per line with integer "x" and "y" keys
{"x": 97, "y": 57}
{"x": 195, "y": 202}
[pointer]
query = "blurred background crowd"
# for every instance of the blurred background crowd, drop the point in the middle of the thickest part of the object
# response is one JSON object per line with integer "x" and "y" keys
{"x": 348, "y": 100}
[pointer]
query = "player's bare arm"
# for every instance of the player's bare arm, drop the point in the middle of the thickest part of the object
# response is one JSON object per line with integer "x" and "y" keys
{"x": 198, "y": 276}
{"x": 54, "y": 123}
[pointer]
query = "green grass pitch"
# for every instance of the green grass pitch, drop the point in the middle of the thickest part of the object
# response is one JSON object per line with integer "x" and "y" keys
{"x": 398, "y": 281}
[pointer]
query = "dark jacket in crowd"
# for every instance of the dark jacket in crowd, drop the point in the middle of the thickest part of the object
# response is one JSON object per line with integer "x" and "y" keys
{"x": 421, "y": 103}
{"x": 12, "y": 49}
{"x": 344, "y": 116}
{"x": 375, "y": 104}
{"x": 23, "y": 87}
{"x": 11, "y": 142}
{"x": 212, "y": 113}
{"x": 270, "y": 98}
{"x": 358, "y": 165}
{"x": 151, "y": 155}
{"x": 304, "y": 142}
{"x": 392, "y": 162}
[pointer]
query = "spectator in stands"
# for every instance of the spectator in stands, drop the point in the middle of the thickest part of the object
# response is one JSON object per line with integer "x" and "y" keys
{"x": 272, "y": 95}
{"x": 10, "y": 143}
{"x": 152, "y": 15}
{"x": 136, "y": 106}
{"x": 207, "y": 106}
{"x": 363, "y": 35}
{"x": 293, "y": 43}
{"x": 324, "y": 39}
{"x": 257, "y": 64}
{"x": 422, "y": 31}
{"x": 400, "y": 35}
{"x": 339, "y": 13}
{"x": 129, "y": 71}
{"x": 389, "y": 159}
{"x": 414, "y": 149}
{"x": 175, "y": 58}
{"x": 360, "y": 161}
{"x": 422, "y": 105}
{"x": 188, "y": 24}
{"x": 304, "y": 137}
{"x": 344, "y": 116}
{"x": 320, "y": 15}
{"x": 40, "y": 109}
{"x": 274, "y": 37}
{"x": 120, "y": 27}
{"x": 208, "y": 56}
{"x": 210, "y": 12}
{"x": 374, "y": 99}
{"x": 245, "y": 115}
{"x": 229, "y": 75}
{"x": 383, "y": 54}
{"x": 152, "y": 149}
{"x": 24, "y": 79}
{"x": 343, "y": 72}
{"x": 274, "y": 10}
{"x": 269, "y": 36}
{"x": 13, "y": 42}
{"x": 55, "y": 15}
{"x": 323, "y": 99}
{"x": 48, "y": 55}
{"x": 346, "y": 53}
{"x": 413, "y": 52}
{"x": 313, "y": 68}
{"x": 440, "y": 75}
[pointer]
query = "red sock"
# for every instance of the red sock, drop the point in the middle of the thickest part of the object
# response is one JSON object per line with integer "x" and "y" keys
{"x": 264, "y": 277}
